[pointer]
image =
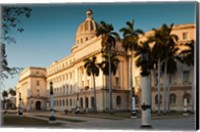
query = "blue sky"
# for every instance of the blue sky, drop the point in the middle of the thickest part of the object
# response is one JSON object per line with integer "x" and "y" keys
{"x": 50, "y": 31}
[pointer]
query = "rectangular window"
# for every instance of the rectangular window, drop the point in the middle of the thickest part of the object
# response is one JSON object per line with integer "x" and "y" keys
{"x": 117, "y": 81}
{"x": 170, "y": 79}
{"x": 37, "y": 83}
{"x": 185, "y": 76}
{"x": 185, "y": 35}
{"x": 71, "y": 75}
{"x": 82, "y": 83}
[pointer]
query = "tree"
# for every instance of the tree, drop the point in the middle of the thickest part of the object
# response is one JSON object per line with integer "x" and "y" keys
{"x": 10, "y": 22}
{"x": 108, "y": 44}
{"x": 170, "y": 69}
{"x": 104, "y": 65}
{"x": 92, "y": 69}
{"x": 12, "y": 92}
{"x": 187, "y": 57}
{"x": 129, "y": 43}
{"x": 4, "y": 95}
{"x": 163, "y": 41}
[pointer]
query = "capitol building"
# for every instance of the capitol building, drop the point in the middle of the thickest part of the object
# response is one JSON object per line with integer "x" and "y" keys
{"x": 71, "y": 82}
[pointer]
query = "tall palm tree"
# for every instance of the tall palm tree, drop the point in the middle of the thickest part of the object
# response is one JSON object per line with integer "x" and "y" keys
{"x": 187, "y": 56}
{"x": 129, "y": 43}
{"x": 92, "y": 69}
{"x": 163, "y": 41}
{"x": 171, "y": 70}
{"x": 108, "y": 44}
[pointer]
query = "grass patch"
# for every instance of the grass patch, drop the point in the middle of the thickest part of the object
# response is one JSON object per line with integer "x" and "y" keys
{"x": 26, "y": 121}
{"x": 64, "y": 119}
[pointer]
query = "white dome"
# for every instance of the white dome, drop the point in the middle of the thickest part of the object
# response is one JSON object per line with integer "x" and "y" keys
{"x": 87, "y": 29}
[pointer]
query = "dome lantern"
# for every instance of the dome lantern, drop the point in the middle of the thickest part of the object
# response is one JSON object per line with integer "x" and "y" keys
{"x": 89, "y": 13}
{"x": 86, "y": 30}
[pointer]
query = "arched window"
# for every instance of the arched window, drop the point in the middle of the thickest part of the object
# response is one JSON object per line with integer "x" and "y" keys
{"x": 118, "y": 100}
{"x": 81, "y": 102}
{"x": 172, "y": 99}
{"x": 92, "y": 102}
{"x": 187, "y": 96}
{"x": 86, "y": 102}
{"x": 156, "y": 99}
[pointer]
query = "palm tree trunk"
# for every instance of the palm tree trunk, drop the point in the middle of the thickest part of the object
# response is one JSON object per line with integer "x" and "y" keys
{"x": 158, "y": 87}
{"x": 132, "y": 93}
{"x": 110, "y": 84}
{"x": 95, "y": 104}
{"x": 168, "y": 93}
{"x": 165, "y": 74}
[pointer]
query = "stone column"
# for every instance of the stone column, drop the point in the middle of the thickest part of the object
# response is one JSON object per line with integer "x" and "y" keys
{"x": 146, "y": 93}
{"x": 52, "y": 118}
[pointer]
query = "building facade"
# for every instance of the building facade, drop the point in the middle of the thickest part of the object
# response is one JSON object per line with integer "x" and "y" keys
{"x": 71, "y": 82}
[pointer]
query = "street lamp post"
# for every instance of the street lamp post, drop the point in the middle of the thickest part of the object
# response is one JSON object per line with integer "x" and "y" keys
{"x": 132, "y": 90}
{"x": 77, "y": 105}
{"x": 146, "y": 93}
{"x": 52, "y": 118}
{"x": 185, "y": 104}
{"x": 20, "y": 112}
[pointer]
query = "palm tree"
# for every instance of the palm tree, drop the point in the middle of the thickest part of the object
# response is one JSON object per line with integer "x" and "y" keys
{"x": 187, "y": 56}
{"x": 129, "y": 43}
{"x": 104, "y": 65}
{"x": 171, "y": 70}
{"x": 4, "y": 95}
{"x": 108, "y": 44}
{"x": 109, "y": 61}
{"x": 92, "y": 69}
{"x": 12, "y": 92}
{"x": 163, "y": 41}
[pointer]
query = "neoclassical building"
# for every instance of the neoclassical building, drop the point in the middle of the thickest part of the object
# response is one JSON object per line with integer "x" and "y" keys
{"x": 71, "y": 83}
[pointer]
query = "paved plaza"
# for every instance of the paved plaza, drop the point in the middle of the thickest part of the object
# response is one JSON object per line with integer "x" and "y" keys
{"x": 181, "y": 123}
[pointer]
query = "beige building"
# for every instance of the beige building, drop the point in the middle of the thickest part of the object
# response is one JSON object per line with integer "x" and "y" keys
{"x": 70, "y": 81}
